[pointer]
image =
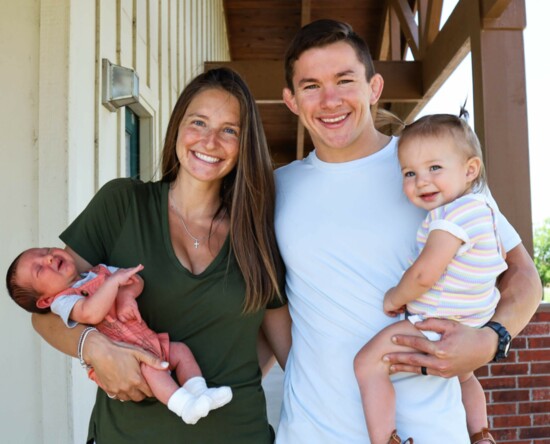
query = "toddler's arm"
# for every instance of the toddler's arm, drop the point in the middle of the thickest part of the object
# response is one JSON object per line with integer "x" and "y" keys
{"x": 441, "y": 246}
{"x": 94, "y": 308}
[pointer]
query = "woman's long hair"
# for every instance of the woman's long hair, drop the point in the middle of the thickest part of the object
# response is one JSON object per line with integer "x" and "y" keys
{"x": 247, "y": 192}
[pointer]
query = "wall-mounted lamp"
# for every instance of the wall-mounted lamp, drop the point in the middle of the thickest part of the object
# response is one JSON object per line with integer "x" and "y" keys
{"x": 120, "y": 86}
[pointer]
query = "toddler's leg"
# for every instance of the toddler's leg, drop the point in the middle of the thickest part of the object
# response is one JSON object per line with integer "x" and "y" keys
{"x": 178, "y": 399}
{"x": 474, "y": 402}
{"x": 190, "y": 376}
{"x": 377, "y": 392}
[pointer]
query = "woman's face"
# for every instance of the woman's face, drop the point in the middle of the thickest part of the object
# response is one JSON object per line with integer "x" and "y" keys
{"x": 208, "y": 136}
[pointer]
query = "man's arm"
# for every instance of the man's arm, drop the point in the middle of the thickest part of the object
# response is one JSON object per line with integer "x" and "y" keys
{"x": 461, "y": 348}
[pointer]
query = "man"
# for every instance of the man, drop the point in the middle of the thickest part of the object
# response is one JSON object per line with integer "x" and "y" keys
{"x": 346, "y": 232}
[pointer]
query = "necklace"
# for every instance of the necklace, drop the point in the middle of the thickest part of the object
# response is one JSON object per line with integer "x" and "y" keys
{"x": 196, "y": 240}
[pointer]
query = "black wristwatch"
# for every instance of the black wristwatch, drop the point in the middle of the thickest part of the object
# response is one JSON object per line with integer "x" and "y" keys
{"x": 504, "y": 340}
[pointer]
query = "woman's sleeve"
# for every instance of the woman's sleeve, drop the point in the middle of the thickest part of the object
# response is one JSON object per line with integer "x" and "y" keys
{"x": 95, "y": 231}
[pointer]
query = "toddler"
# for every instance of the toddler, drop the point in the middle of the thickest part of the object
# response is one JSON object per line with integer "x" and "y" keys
{"x": 455, "y": 272}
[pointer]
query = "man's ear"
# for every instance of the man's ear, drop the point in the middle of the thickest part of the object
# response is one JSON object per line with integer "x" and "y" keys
{"x": 376, "y": 85}
{"x": 44, "y": 302}
{"x": 473, "y": 168}
{"x": 290, "y": 100}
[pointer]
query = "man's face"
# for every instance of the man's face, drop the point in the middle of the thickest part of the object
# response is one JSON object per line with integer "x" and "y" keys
{"x": 332, "y": 98}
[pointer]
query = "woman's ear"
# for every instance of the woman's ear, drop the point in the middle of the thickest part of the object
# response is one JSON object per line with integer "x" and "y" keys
{"x": 290, "y": 100}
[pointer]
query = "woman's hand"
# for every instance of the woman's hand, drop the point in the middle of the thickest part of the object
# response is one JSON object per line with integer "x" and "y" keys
{"x": 118, "y": 367}
{"x": 461, "y": 349}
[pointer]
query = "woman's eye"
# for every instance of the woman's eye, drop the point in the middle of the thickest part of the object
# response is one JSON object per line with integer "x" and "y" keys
{"x": 231, "y": 131}
{"x": 198, "y": 123}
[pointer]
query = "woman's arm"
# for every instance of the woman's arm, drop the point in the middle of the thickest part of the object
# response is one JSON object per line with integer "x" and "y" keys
{"x": 116, "y": 366}
{"x": 276, "y": 330}
{"x": 461, "y": 348}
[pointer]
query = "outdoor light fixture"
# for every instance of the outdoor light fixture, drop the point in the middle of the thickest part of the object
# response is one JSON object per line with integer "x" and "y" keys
{"x": 120, "y": 86}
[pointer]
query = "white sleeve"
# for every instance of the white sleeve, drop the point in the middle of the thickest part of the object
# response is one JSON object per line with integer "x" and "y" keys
{"x": 508, "y": 235}
{"x": 63, "y": 305}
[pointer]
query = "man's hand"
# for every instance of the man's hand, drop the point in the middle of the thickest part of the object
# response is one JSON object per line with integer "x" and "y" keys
{"x": 461, "y": 349}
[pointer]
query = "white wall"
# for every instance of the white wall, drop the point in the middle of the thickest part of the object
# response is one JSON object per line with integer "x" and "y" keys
{"x": 59, "y": 144}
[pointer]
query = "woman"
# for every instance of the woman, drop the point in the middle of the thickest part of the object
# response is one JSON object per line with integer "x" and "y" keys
{"x": 204, "y": 234}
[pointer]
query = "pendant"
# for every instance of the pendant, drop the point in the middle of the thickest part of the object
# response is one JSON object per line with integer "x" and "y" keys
{"x": 196, "y": 244}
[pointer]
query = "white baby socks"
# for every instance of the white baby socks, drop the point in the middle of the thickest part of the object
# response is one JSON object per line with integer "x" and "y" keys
{"x": 219, "y": 395}
{"x": 190, "y": 407}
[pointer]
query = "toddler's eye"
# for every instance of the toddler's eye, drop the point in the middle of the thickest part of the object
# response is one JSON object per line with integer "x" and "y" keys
{"x": 435, "y": 167}
{"x": 408, "y": 174}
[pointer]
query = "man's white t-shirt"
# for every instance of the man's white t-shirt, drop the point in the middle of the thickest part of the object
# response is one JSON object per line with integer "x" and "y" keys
{"x": 346, "y": 233}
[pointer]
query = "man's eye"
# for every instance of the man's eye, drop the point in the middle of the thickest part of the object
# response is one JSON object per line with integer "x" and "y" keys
{"x": 313, "y": 86}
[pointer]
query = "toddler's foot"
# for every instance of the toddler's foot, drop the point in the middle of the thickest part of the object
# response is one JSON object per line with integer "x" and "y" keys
{"x": 483, "y": 437}
{"x": 395, "y": 439}
{"x": 189, "y": 407}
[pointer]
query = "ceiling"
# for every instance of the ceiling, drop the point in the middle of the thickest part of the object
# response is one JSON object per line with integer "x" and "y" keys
{"x": 259, "y": 32}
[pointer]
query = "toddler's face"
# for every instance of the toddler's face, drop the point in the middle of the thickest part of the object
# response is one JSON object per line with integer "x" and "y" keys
{"x": 46, "y": 270}
{"x": 435, "y": 171}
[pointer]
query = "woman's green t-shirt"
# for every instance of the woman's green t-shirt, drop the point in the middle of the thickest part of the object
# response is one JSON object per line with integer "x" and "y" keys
{"x": 126, "y": 224}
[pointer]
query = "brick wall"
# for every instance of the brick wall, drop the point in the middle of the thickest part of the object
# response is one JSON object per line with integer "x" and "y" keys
{"x": 518, "y": 389}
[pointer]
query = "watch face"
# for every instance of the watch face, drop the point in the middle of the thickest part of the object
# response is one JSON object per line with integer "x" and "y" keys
{"x": 507, "y": 343}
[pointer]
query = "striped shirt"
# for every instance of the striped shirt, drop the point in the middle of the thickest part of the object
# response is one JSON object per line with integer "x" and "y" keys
{"x": 466, "y": 291}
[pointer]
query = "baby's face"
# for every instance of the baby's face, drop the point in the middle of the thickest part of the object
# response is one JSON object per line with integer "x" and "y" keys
{"x": 46, "y": 270}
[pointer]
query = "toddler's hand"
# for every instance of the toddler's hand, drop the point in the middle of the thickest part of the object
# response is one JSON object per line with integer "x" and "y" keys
{"x": 390, "y": 308}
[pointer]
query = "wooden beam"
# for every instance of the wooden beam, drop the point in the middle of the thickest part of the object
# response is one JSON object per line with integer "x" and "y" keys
{"x": 396, "y": 52}
{"x": 383, "y": 49}
{"x": 306, "y": 12}
{"x": 492, "y": 9}
{"x": 403, "y": 80}
{"x": 431, "y": 26}
{"x": 448, "y": 49}
{"x": 500, "y": 106}
{"x": 408, "y": 25}
{"x": 265, "y": 78}
{"x": 513, "y": 17}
